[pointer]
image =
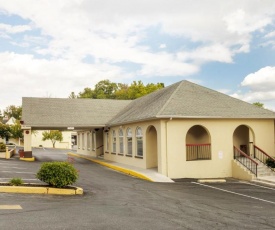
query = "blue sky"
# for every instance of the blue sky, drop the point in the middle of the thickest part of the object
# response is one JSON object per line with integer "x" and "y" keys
{"x": 53, "y": 48}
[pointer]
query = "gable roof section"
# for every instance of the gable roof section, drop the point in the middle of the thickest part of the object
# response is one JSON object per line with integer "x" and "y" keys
{"x": 188, "y": 100}
{"x": 43, "y": 113}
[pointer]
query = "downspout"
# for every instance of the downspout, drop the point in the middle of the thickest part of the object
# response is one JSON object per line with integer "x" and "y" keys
{"x": 166, "y": 127}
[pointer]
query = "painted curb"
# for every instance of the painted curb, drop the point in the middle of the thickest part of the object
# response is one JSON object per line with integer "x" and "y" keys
{"x": 41, "y": 190}
{"x": 212, "y": 181}
{"x": 117, "y": 168}
{"x": 27, "y": 159}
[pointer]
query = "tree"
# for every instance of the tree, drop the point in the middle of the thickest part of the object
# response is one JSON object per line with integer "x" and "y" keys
{"x": 87, "y": 93}
{"x": 53, "y": 135}
{"x": 261, "y": 105}
{"x": 13, "y": 111}
{"x": 16, "y": 131}
{"x": 106, "y": 89}
{"x": 5, "y": 131}
{"x": 72, "y": 95}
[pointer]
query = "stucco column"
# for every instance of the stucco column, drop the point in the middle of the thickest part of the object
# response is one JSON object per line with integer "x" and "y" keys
{"x": 27, "y": 139}
{"x": 162, "y": 149}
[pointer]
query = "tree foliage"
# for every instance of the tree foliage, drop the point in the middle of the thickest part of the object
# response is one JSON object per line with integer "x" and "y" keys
{"x": 16, "y": 131}
{"x": 53, "y": 136}
{"x": 5, "y": 131}
{"x": 106, "y": 89}
{"x": 259, "y": 104}
{"x": 13, "y": 111}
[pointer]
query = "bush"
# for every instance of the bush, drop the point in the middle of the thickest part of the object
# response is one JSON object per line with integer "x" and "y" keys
{"x": 57, "y": 174}
{"x": 270, "y": 163}
{"x": 2, "y": 147}
{"x": 16, "y": 181}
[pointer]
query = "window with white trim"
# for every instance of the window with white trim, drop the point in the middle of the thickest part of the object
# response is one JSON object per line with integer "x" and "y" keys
{"x": 83, "y": 141}
{"x": 139, "y": 142}
{"x": 121, "y": 144}
{"x": 107, "y": 141}
{"x": 114, "y": 141}
{"x": 93, "y": 141}
{"x": 88, "y": 140}
{"x": 129, "y": 142}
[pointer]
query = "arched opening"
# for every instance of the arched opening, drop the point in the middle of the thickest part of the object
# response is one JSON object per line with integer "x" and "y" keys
{"x": 151, "y": 147}
{"x": 243, "y": 139}
{"x": 198, "y": 144}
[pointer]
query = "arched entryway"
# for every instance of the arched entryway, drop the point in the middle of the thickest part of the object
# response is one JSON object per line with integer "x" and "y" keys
{"x": 198, "y": 144}
{"x": 151, "y": 147}
{"x": 243, "y": 139}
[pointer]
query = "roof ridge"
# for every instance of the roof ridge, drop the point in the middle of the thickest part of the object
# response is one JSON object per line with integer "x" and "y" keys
{"x": 166, "y": 103}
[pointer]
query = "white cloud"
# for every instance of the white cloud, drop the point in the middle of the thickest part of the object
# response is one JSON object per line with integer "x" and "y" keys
{"x": 261, "y": 80}
{"x": 41, "y": 77}
{"x": 260, "y": 86}
{"x": 65, "y": 32}
{"x": 9, "y": 29}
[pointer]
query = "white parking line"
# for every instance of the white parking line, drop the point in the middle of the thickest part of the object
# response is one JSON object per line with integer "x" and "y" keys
{"x": 21, "y": 178}
{"x": 10, "y": 207}
{"x": 12, "y": 167}
{"x": 257, "y": 185}
{"x": 236, "y": 193}
{"x": 17, "y": 172}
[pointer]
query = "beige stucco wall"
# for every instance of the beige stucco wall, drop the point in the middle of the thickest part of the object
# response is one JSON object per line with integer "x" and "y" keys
{"x": 239, "y": 172}
{"x": 133, "y": 160}
{"x": 93, "y": 146}
{"x": 221, "y": 135}
{"x": 169, "y": 153}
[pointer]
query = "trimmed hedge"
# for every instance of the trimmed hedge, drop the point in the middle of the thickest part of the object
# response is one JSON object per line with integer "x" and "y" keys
{"x": 2, "y": 147}
{"x": 57, "y": 174}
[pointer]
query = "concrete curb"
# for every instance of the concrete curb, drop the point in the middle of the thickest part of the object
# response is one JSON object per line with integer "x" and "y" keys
{"x": 211, "y": 180}
{"x": 117, "y": 168}
{"x": 42, "y": 190}
{"x": 27, "y": 159}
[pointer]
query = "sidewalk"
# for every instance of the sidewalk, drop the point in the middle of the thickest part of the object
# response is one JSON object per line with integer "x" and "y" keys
{"x": 266, "y": 179}
{"x": 146, "y": 174}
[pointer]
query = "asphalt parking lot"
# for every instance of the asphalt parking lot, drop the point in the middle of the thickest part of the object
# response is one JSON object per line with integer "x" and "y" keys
{"x": 116, "y": 201}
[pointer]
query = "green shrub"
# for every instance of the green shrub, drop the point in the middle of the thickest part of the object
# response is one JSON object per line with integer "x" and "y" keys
{"x": 2, "y": 147}
{"x": 270, "y": 162}
{"x": 57, "y": 174}
{"x": 16, "y": 181}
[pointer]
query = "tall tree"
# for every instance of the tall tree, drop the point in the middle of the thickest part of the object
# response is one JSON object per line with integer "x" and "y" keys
{"x": 87, "y": 93}
{"x": 53, "y": 136}
{"x": 13, "y": 111}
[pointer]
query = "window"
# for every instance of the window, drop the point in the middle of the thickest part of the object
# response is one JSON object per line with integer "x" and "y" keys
{"x": 121, "y": 144}
{"x": 78, "y": 138}
{"x": 139, "y": 141}
{"x": 83, "y": 141}
{"x": 107, "y": 141}
{"x": 114, "y": 141}
{"x": 129, "y": 142}
{"x": 88, "y": 141}
{"x": 93, "y": 141}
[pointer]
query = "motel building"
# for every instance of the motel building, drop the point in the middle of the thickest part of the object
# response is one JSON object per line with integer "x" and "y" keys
{"x": 182, "y": 131}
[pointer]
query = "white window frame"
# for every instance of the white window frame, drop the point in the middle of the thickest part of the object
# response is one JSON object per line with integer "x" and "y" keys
{"x": 139, "y": 141}
{"x": 114, "y": 141}
{"x": 129, "y": 142}
{"x": 121, "y": 141}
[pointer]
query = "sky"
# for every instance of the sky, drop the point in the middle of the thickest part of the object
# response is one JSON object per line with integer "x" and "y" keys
{"x": 52, "y": 48}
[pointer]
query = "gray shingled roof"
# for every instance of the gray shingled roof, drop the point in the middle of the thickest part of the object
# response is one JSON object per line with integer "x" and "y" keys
{"x": 188, "y": 100}
{"x": 43, "y": 113}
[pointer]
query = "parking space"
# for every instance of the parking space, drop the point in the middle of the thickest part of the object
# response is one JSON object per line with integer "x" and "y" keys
{"x": 116, "y": 201}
